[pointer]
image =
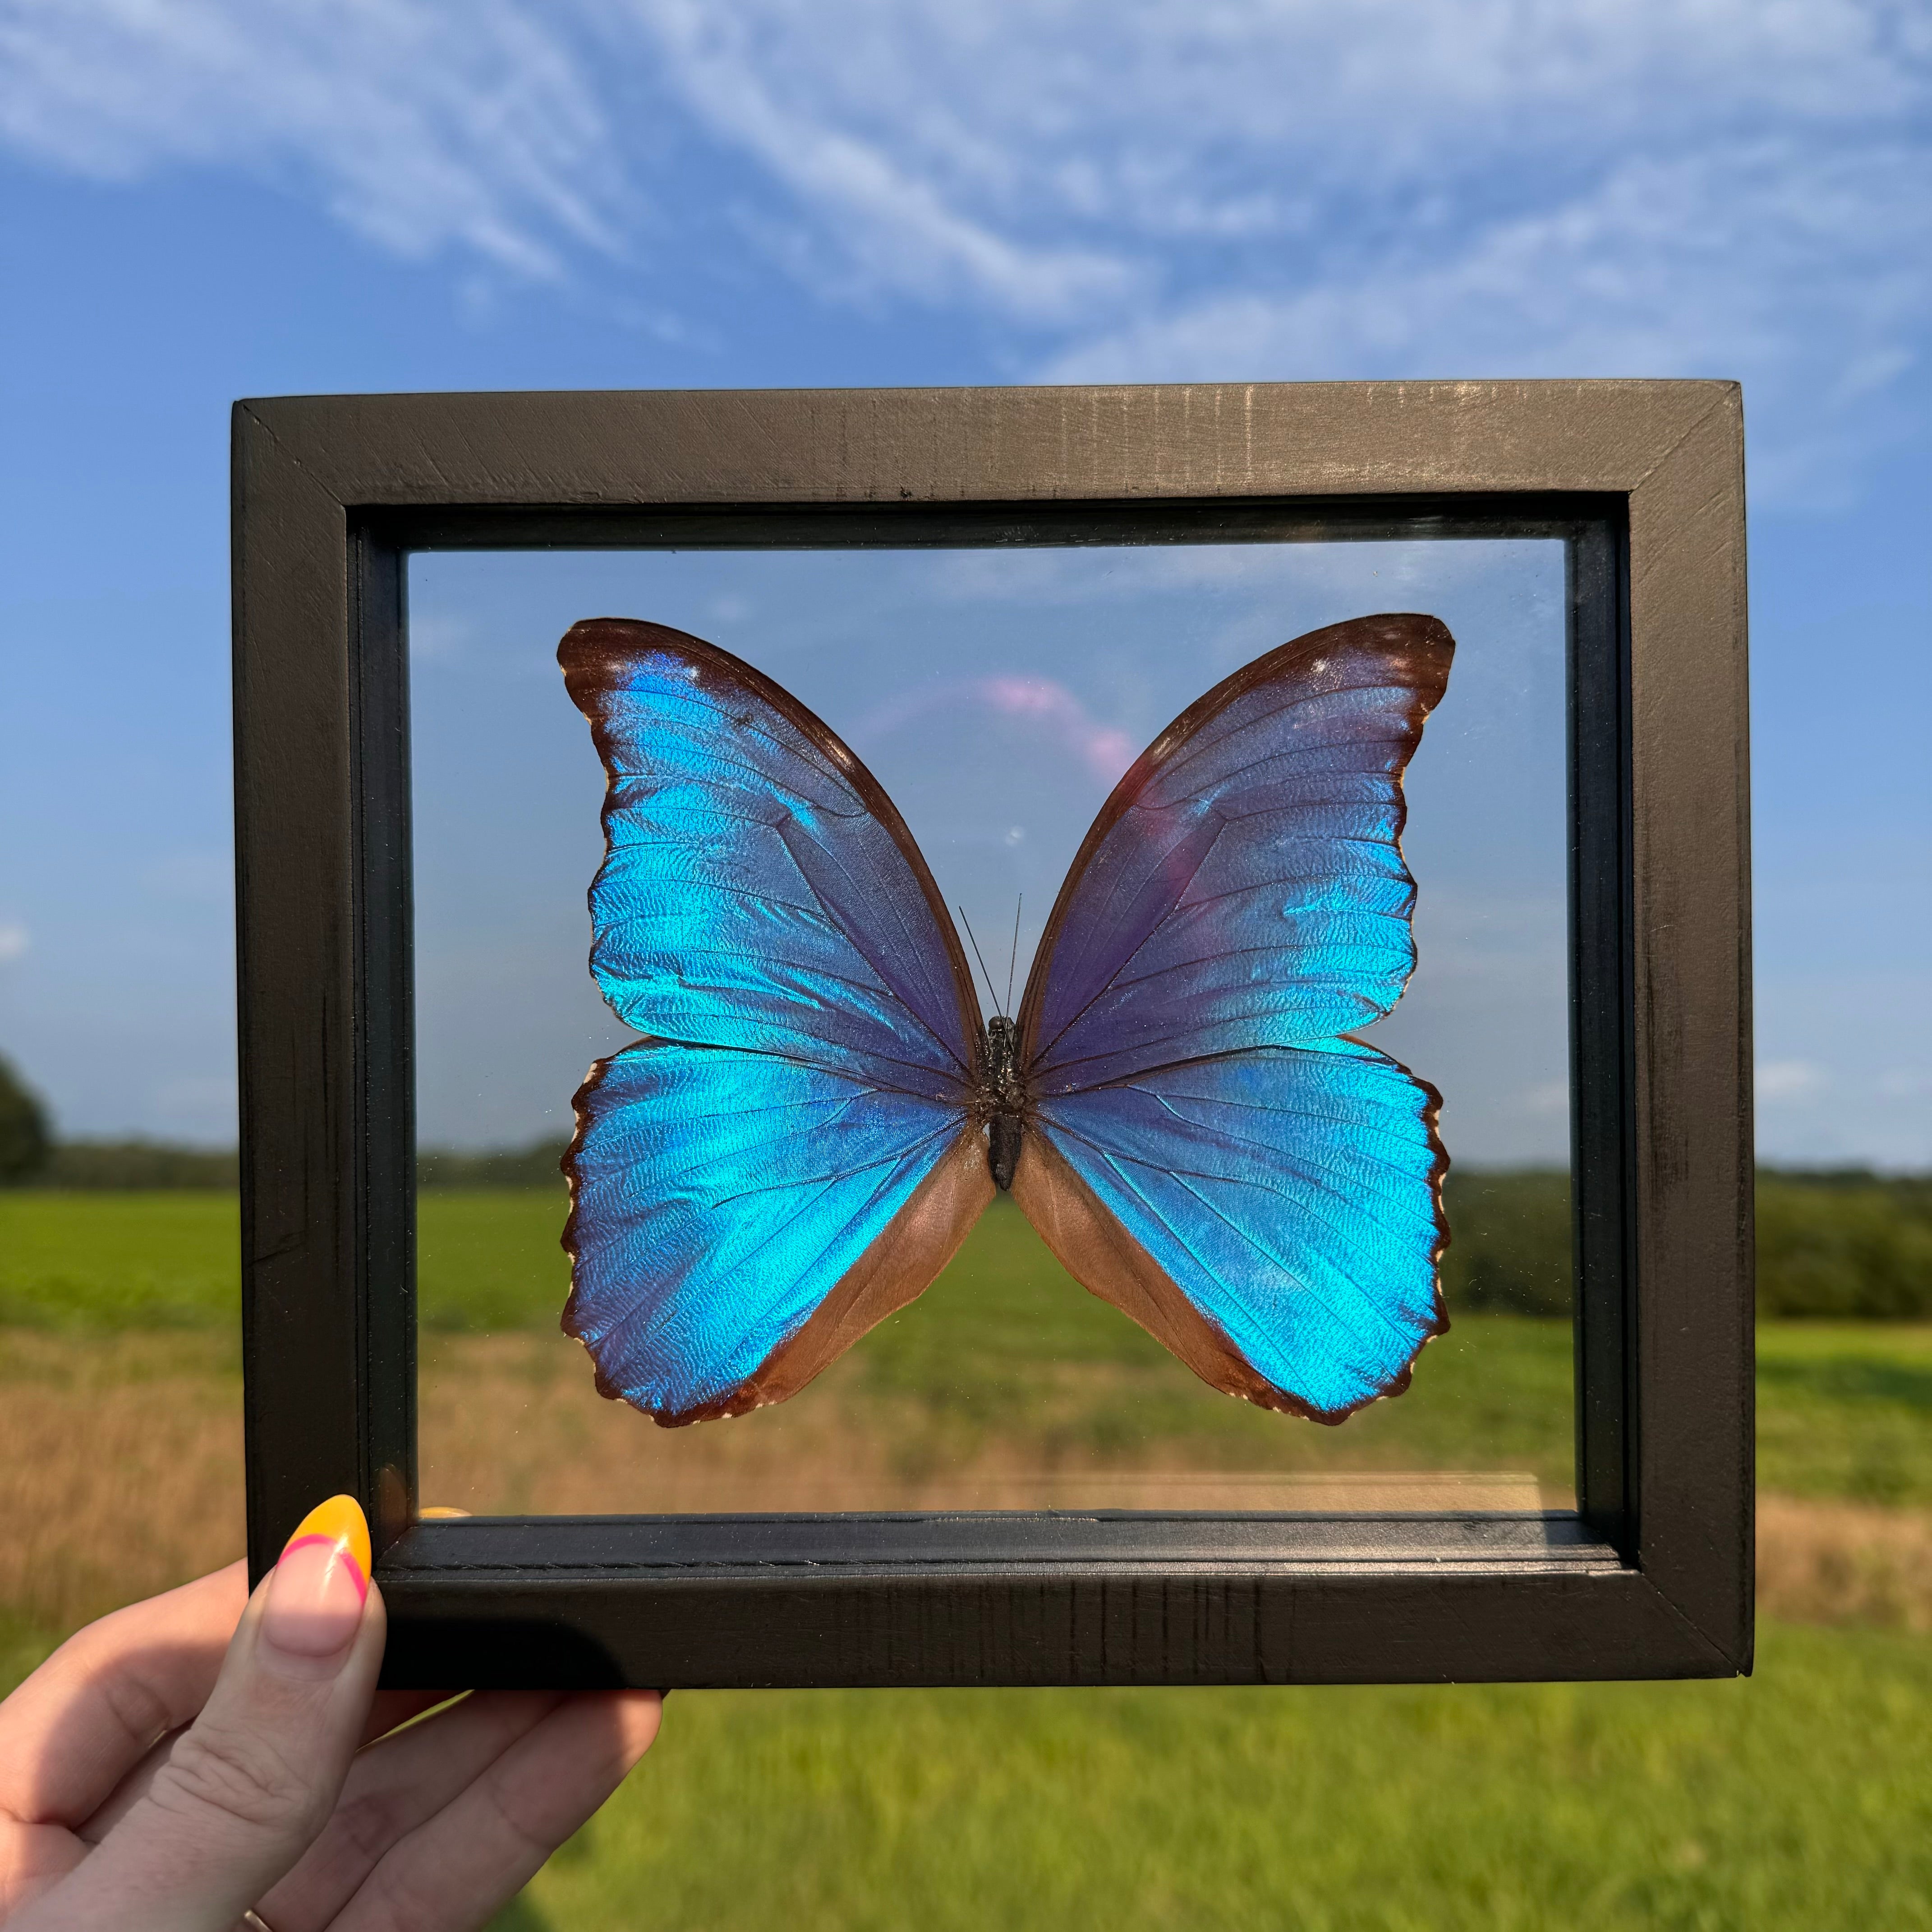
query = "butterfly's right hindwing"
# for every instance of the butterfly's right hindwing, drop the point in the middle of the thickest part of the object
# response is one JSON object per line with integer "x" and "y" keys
{"x": 1275, "y": 1215}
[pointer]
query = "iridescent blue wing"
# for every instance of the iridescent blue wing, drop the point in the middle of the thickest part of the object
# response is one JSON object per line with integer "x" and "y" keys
{"x": 1208, "y": 1150}
{"x": 783, "y": 1160}
{"x": 1272, "y": 1215}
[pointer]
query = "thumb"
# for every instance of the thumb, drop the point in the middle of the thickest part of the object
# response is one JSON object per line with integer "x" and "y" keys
{"x": 249, "y": 1785}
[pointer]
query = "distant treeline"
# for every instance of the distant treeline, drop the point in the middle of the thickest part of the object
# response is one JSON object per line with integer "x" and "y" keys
{"x": 533, "y": 1166}
{"x": 1847, "y": 1244}
{"x": 119, "y": 1165}
{"x": 125, "y": 1165}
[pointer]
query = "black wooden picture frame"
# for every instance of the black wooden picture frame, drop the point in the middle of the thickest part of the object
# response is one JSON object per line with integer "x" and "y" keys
{"x": 1651, "y": 1577}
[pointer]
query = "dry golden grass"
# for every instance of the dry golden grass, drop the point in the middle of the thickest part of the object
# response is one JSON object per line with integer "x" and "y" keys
{"x": 120, "y": 1472}
{"x": 512, "y": 1423}
{"x": 1844, "y": 1563}
{"x": 120, "y": 1468}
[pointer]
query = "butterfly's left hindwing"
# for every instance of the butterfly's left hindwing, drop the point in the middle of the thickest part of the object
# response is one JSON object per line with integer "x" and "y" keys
{"x": 778, "y": 1165}
{"x": 720, "y": 1200}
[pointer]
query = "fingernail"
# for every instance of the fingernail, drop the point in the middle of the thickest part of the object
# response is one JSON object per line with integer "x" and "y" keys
{"x": 321, "y": 1582}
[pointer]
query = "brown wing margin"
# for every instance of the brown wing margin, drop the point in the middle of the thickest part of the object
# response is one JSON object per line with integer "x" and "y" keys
{"x": 1105, "y": 1260}
{"x": 593, "y": 654}
{"x": 1088, "y": 1241}
{"x": 1419, "y": 648}
{"x": 899, "y": 1266}
{"x": 1087, "y": 1238}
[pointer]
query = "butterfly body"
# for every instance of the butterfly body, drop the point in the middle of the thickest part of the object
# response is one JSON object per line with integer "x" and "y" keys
{"x": 1003, "y": 1100}
{"x": 815, "y": 1113}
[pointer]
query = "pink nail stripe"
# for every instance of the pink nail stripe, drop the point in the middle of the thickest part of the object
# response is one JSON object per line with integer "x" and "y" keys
{"x": 355, "y": 1569}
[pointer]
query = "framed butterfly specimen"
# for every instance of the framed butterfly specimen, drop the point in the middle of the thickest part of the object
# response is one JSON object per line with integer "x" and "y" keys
{"x": 818, "y": 1105}
{"x": 816, "y": 1116}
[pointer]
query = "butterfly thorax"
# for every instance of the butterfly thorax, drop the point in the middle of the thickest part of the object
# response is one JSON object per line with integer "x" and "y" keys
{"x": 1003, "y": 1099}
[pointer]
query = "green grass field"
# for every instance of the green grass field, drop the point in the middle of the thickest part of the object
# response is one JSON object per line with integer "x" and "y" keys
{"x": 1801, "y": 1799}
{"x": 168, "y": 1259}
{"x": 1845, "y": 1408}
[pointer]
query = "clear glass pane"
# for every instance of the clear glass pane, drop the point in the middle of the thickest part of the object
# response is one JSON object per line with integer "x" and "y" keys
{"x": 998, "y": 695}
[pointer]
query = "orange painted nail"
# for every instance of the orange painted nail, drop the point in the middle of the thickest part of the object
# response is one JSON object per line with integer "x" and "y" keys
{"x": 321, "y": 1582}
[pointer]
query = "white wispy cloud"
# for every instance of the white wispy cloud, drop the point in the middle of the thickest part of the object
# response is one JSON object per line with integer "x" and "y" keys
{"x": 1782, "y": 1082}
{"x": 1276, "y": 188}
{"x": 419, "y": 124}
{"x": 899, "y": 221}
{"x": 1809, "y": 277}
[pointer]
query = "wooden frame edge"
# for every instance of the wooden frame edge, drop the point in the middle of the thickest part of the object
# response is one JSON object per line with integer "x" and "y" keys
{"x": 329, "y": 1375}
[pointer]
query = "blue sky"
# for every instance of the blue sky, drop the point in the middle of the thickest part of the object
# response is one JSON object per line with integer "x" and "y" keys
{"x": 207, "y": 200}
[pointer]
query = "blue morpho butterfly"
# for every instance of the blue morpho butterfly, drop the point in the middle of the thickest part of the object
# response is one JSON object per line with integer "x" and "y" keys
{"x": 817, "y": 1115}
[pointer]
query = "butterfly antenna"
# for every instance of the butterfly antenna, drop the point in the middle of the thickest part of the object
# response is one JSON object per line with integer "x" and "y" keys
{"x": 1012, "y": 963}
{"x": 978, "y": 955}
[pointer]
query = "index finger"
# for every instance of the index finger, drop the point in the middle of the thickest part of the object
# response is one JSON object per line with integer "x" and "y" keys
{"x": 73, "y": 1730}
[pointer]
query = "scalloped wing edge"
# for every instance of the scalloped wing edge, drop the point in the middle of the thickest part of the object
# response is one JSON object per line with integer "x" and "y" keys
{"x": 1088, "y": 1240}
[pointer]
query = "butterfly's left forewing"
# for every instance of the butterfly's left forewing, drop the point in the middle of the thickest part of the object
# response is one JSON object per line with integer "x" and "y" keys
{"x": 1207, "y": 1149}
{"x": 786, "y": 1157}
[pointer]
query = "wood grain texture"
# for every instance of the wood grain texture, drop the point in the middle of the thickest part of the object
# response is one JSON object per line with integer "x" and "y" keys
{"x": 1691, "y": 1021}
{"x": 590, "y": 448}
{"x": 962, "y": 1601}
{"x": 1600, "y": 1032}
{"x": 294, "y": 862}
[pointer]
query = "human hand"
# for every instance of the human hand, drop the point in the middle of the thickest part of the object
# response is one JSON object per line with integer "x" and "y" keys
{"x": 206, "y": 1753}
